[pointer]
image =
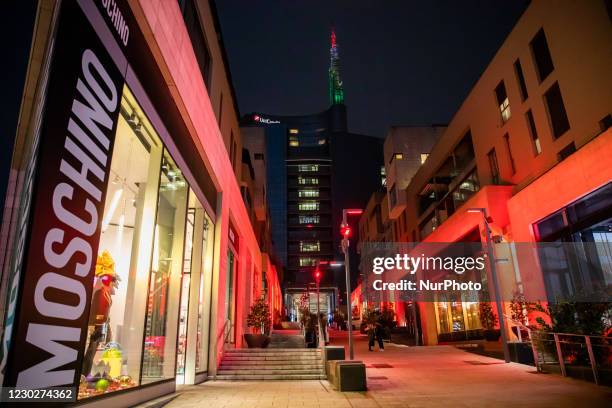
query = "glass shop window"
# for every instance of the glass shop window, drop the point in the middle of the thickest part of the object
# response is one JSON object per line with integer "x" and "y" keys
{"x": 165, "y": 275}
{"x": 204, "y": 293}
{"x": 112, "y": 356}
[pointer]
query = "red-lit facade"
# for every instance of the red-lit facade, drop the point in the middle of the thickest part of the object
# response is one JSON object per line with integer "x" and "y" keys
{"x": 165, "y": 260}
{"x": 530, "y": 145}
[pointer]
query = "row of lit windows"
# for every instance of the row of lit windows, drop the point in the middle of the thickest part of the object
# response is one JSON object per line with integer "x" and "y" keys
{"x": 309, "y": 219}
{"x": 308, "y": 193}
{"x": 308, "y": 205}
{"x": 294, "y": 142}
{"x": 308, "y": 167}
{"x": 308, "y": 261}
{"x": 310, "y": 246}
{"x": 308, "y": 180}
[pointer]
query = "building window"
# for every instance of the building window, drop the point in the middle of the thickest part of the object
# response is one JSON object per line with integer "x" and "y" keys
{"x": 556, "y": 111}
{"x": 233, "y": 148}
{"x": 509, "y": 150}
{"x": 308, "y": 193}
{"x": 166, "y": 265}
{"x": 309, "y": 219}
{"x": 308, "y": 180}
{"x": 308, "y": 167}
{"x": 198, "y": 40}
{"x": 567, "y": 151}
{"x": 466, "y": 189}
{"x": 503, "y": 102}
{"x": 398, "y": 156}
{"x": 541, "y": 55}
{"x": 518, "y": 70}
{"x": 294, "y": 131}
{"x": 148, "y": 225}
{"x": 393, "y": 196}
{"x": 308, "y": 262}
{"x": 583, "y": 227}
{"x": 605, "y": 123}
{"x": 294, "y": 143}
{"x": 383, "y": 176}
{"x": 308, "y": 205}
{"x": 322, "y": 142}
{"x": 310, "y": 246}
{"x": 220, "y": 109}
{"x": 259, "y": 156}
{"x": 424, "y": 157}
{"x": 535, "y": 140}
{"x": 493, "y": 166}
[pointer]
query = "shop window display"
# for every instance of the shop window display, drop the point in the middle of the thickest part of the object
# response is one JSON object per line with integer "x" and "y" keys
{"x": 204, "y": 295}
{"x": 111, "y": 361}
{"x": 165, "y": 275}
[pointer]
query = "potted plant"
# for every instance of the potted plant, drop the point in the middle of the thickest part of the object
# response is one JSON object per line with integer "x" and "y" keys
{"x": 259, "y": 320}
{"x": 489, "y": 320}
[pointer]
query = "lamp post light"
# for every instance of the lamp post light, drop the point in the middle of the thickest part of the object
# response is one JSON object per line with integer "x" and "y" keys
{"x": 496, "y": 286}
{"x": 346, "y": 232}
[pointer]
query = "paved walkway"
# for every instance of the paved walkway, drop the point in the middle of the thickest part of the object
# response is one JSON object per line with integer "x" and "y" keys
{"x": 440, "y": 376}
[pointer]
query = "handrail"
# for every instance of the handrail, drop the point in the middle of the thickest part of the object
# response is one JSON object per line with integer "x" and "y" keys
{"x": 540, "y": 336}
{"x": 227, "y": 330}
{"x": 321, "y": 335}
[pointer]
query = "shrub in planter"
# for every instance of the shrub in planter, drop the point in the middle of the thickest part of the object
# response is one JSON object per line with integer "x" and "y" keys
{"x": 488, "y": 320}
{"x": 258, "y": 320}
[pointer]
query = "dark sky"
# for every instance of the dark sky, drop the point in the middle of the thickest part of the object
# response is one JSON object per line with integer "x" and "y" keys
{"x": 402, "y": 61}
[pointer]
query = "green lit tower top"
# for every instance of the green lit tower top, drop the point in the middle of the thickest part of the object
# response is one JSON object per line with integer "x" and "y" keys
{"x": 336, "y": 93}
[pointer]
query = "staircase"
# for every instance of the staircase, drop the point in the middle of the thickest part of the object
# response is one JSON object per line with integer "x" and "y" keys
{"x": 285, "y": 339}
{"x": 272, "y": 364}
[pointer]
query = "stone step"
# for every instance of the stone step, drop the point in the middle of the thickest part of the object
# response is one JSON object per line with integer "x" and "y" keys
{"x": 283, "y": 340}
{"x": 236, "y": 377}
{"x": 270, "y": 358}
{"x": 276, "y": 350}
{"x": 265, "y": 364}
{"x": 272, "y": 353}
{"x": 258, "y": 371}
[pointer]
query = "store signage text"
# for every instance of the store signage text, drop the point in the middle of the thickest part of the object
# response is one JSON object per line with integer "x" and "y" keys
{"x": 74, "y": 256}
{"x": 117, "y": 20}
{"x": 73, "y": 167}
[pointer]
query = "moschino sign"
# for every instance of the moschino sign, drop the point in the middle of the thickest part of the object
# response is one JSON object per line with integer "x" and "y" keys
{"x": 51, "y": 289}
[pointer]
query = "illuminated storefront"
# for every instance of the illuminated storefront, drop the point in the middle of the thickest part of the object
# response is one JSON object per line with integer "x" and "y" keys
{"x": 112, "y": 275}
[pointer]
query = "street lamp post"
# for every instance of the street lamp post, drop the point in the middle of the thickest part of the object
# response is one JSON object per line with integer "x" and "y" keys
{"x": 345, "y": 231}
{"x": 496, "y": 286}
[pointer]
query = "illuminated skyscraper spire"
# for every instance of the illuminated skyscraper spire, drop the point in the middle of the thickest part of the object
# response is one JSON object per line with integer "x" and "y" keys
{"x": 336, "y": 93}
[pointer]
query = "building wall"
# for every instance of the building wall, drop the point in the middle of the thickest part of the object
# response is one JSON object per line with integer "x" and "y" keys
{"x": 163, "y": 24}
{"x": 404, "y": 148}
{"x": 221, "y": 92}
{"x": 578, "y": 36}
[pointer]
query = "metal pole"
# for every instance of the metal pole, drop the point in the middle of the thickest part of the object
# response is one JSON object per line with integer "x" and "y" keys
{"x": 318, "y": 312}
{"x": 349, "y": 312}
{"x": 560, "y": 355}
{"x": 592, "y": 359}
{"x": 498, "y": 294}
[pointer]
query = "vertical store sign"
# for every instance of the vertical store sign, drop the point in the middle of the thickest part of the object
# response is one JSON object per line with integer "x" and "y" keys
{"x": 49, "y": 329}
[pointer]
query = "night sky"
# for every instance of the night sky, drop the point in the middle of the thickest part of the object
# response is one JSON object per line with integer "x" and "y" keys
{"x": 403, "y": 62}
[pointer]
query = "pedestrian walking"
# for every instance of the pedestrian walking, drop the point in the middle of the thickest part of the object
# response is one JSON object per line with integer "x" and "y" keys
{"x": 378, "y": 332}
{"x": 371, "y": 330}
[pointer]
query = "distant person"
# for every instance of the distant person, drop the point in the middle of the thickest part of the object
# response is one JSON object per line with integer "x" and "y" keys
{"x": 379, "y": 331}
{"x": 374, "y": 331}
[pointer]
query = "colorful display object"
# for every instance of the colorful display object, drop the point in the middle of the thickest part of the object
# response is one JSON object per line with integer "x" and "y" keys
{"x": 103, "y": 365}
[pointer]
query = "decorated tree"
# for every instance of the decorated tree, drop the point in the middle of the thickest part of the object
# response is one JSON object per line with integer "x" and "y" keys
{"x": 259, "y": 317}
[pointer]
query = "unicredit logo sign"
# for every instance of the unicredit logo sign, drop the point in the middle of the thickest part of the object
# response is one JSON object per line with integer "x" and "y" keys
{"x": 259, "y": 119}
